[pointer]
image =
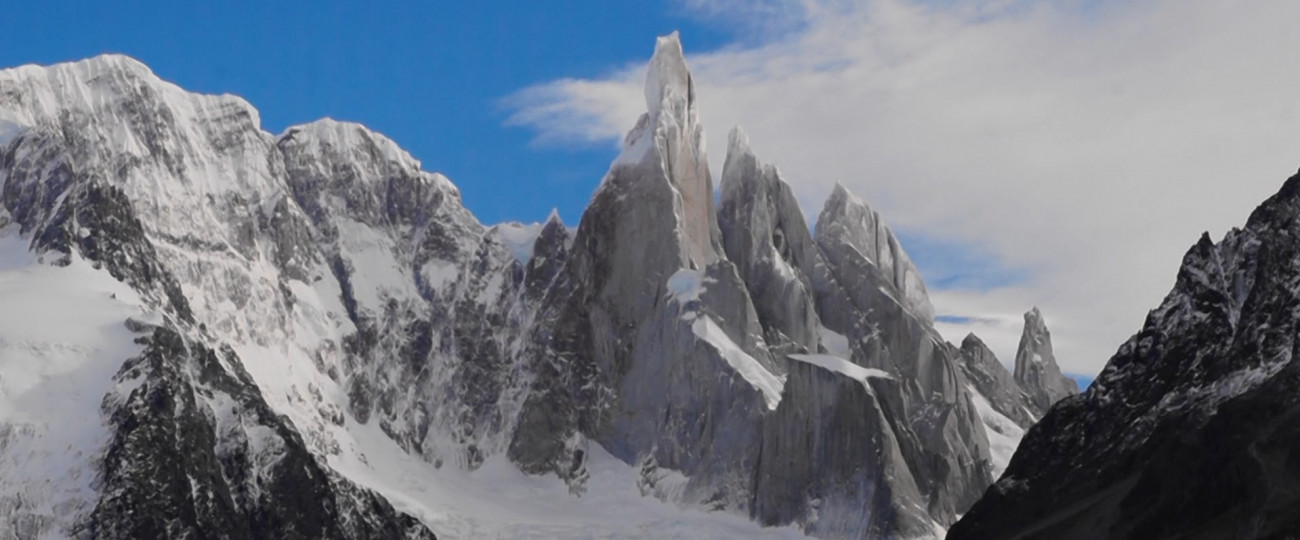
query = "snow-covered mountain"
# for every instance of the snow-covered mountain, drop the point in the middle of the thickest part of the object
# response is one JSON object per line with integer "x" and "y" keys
{"x": 210, "y": 330}
{"x": 1189, "y": 431}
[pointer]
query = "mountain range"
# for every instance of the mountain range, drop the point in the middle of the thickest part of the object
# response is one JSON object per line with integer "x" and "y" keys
{"x": 211, "y": 331}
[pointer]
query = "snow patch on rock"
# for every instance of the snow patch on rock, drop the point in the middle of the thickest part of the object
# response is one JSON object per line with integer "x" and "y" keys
{"x": 686, "y": 285}
{"x": 841, "y": 366}
{"x": 1004, "y": 435}
{"x": 9, "y": 131}
{"x": 747, "y": 366}
{"x": 835, "y": 343}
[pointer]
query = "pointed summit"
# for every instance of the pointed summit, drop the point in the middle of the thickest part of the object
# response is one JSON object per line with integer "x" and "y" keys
{"x": 667, "y": 143}
{"x": 992, "y": 380}
{"x": 765, "y": 234}
{"x": 849, "y": 221}
{"x": 554, "y": 217}
{"x": 1036, "y": 369}
{"x": 738, "y": 143}
{"x": 667, "y": 74}
{"x": 671, "y": 117}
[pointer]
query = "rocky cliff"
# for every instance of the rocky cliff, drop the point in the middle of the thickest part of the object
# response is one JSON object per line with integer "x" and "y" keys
{"x": 1188, "y": 432}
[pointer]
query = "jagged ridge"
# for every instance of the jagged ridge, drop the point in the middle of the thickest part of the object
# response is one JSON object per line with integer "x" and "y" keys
{"x": 1189, "y": 430}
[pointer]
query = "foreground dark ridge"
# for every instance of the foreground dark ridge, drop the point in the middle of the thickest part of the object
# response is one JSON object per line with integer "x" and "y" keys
{"x": 1191, "y": 429}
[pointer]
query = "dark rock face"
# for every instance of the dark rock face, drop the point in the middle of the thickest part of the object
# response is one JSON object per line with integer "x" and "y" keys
{"x": 197, "y": 453}
{"x": 992, "y": 380}
{"x": 1189, "y": 431}
{"x": 1036, "y": 369}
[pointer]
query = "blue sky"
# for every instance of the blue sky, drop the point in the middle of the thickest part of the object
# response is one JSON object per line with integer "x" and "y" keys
{"x": 430, "y": 75}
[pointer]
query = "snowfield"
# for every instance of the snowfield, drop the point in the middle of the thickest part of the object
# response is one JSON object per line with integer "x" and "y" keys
{"x": 498, "y": 501}
{"x": 62, "y": 339}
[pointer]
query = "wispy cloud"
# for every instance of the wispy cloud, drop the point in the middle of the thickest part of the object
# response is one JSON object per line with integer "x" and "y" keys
{"x": 757, "y": 19}
{"x": 1083, "y": 143}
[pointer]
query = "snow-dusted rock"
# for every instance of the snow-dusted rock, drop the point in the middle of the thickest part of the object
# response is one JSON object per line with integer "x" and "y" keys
{"x": 1006, "y": 409}
{"x": 1189, "y": 431}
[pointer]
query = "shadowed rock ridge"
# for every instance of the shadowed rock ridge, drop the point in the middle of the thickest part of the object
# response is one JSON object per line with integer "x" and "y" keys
{"x": 1190, "y": 430}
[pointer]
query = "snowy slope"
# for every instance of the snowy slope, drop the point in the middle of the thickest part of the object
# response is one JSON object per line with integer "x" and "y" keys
{"x": 1004, "y": 434}
{"x": 499, "y": 501}
{"x": 62, "y": 337}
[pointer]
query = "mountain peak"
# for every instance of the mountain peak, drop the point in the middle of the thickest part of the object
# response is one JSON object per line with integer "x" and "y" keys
{"x": 1035, "y": 327}
{"x": 554, "y": 217}
{"x": 95, "y": 65}
{"x": 667, "y": 143}
{"x": 839, "y": 190}
{"x": 1034, "y": 321}
{"x": 113, "y": 97}
{"x": 328, "y": 136}
{"x": 667, "y": 74}
{"x": 738, "y": 142}
{"x": 1036, "y": 368}
{"x": 849, "y": 220}
{"x": 112, "y": 62}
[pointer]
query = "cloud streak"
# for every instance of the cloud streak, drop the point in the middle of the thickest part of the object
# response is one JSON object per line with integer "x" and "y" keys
{"x": 1084, "y": 144}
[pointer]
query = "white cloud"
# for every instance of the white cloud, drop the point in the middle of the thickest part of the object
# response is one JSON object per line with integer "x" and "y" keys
{"x": 751, "y": 14}
{"x": 1086, "y": 142}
